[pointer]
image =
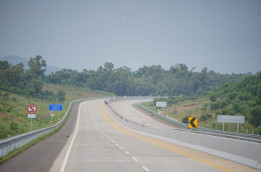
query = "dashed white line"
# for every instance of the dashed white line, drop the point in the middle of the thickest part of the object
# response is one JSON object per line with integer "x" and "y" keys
{"x": 144, "y": 168}
{"x": 134, "y": 159}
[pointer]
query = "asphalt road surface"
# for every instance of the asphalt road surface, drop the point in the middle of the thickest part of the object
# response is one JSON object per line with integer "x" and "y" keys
{"x": 99, "y": 143}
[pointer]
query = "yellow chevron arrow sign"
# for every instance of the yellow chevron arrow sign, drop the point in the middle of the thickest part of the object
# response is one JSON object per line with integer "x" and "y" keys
{"x": 193, "y": 122}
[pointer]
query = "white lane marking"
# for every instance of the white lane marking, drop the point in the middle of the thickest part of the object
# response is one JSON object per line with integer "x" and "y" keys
{"x": 70, "y": 147}
{"x": 134, "y": 159}
{"x": 144, "y": 168}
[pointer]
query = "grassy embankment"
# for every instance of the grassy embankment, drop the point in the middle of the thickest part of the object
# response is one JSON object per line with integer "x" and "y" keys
{"x": 13, "y": 109}
{"x": 199, "y": 108}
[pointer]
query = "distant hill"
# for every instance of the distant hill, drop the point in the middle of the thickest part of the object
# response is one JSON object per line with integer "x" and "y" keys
{"x": 16, "y": 60}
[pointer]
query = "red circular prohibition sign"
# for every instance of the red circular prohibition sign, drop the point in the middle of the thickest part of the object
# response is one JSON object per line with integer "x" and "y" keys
{"x": 31, "y": 109}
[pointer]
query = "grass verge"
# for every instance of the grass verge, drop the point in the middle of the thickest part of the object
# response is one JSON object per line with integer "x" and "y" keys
{"x": 41, "y": 138}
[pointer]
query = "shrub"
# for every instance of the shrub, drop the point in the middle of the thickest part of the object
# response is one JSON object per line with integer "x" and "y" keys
{"x": 60, "y": 96}
{"x": 185, "y": 119}
{"x": 212, "y": 98}
{"x": 3, "y": 132}
{"x": 10, "y": 109}
{"x": 223, "y": 104}
{"x": 232, "y": 96}
{"x": 256, "y": 116}
{"x": 13, "y": 126}
{"x": 205, "y": 117}
{"x": 213, "y": 125}
{"x": 214, "y": 106}
{"x": 257, "y": 130}
{"x": 14, "y": 99}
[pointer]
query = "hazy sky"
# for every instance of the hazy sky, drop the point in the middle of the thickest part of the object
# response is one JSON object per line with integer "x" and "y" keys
{"x": 223, "y": 35}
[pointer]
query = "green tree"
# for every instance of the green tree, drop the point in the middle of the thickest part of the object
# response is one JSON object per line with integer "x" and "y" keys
{"x": 60, "y": 95}
{"x": 256, "y": 116}
{"x": 212, "y": 98}
{"x": 37, "y": 66}
{"x": 35, "y": 75}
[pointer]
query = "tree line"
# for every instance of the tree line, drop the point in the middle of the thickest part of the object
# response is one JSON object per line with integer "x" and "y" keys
{"x": 147, "y": 80}
{"x": 28, "y": 82}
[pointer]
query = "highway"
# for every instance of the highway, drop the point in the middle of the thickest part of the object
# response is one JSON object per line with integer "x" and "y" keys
{"x": 94, "y": 140}
{"x": 99, "y": 143}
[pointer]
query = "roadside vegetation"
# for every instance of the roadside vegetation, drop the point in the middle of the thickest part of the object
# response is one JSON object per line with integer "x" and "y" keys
{"x": 148, "y": 80}
{"x": 13, "y": 109}
{"x": 242, "y": 98}
{"x": 204, "y": 94}
{"x": 20, "y": 87}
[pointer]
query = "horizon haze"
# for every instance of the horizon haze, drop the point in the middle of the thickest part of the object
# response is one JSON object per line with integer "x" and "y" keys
{"x": 224, "y": 36}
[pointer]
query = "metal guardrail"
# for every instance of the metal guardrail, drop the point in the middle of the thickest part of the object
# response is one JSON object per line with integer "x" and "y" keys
{"x": 13, "y": 143}
{"x": 201, "y": 130}
{"x": 218, "y": 145}
{"x": 241, "y": 136}
{"x": 120, "y": 116}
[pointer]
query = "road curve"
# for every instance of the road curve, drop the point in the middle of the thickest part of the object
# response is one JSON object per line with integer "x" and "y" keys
{"x": 99, "y": 143}
{"x": 92, "y": 140}
{"x": 125, "y": 108}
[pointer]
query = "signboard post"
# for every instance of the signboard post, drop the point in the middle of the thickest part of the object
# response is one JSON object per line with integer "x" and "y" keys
{"x": 31, "y": 110}
{"x": 56, "y": 107}
{"x": 161, "y": 105}
{"x": 231, "y": 119}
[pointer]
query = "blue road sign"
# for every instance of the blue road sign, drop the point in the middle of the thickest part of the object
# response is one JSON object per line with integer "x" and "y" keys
{"x": 55, "y": 107}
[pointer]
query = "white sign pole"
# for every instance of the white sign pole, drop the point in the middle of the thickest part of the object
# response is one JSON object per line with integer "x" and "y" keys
{"x": 31, "y": 124}
{"x": 31, "y": 110}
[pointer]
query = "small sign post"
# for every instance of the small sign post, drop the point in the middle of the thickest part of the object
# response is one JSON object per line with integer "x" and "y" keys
{"x": 161, "y": 105}
{"x": 231, "y": 119}
{"x": 56, "y": 107}
{"x": 31, "y": 110}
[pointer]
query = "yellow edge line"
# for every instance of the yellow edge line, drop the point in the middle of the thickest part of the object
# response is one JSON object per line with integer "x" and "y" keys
{"x": 113, "y": 124}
